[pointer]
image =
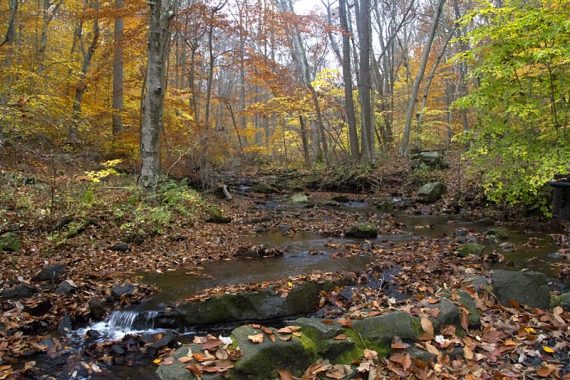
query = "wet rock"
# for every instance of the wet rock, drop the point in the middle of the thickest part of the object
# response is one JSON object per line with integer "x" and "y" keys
{"x": 93, "y": 334}
{"x": 66, "y": 287}
{"x": 252, "y": 306}
{"x": 448, "y": 314}
{"x": 97, "y": 308}
{"x": 120, "y": 247}
{"x": 470, "y": 249}
{"x": 363, "y": 231}
{"x": 431, "y": 192}
{"x": 40, "y": 309}
{"x": 10, "y": 242}
{"x": 262, "y": 360}
{"x": 341, "y": 198}
{"x": 380, "y": 330}
{"x": 51, "y": 273}
{"x": 65, "y": 325}
{"x": 299, "y": 198}
{"x": 118, "y": 291}
{"x": 117, "y": 349}
{"x": 498, "y": 233}
{"x": 314, "y": 327}
{"x": 460, "y": 232}
{"x": 469, "y": 303}
{"x": 258, "y": 251}
{"x": 507, "y": 247}
{"x": 166, "y": 339}
{"x": 528, "y": 288}
{"x": 347, "y": 293}
{"x": 20, "y": 291}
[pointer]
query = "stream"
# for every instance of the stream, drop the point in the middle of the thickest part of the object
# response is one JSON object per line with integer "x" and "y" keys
{"x": 303, "y": 253}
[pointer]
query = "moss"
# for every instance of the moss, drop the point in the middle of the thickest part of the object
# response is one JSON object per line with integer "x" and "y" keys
{"x": 361, "y": 344}
{"x": 309, "y": 344}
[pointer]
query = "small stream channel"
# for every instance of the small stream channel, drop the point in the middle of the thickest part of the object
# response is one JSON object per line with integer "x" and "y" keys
{"x": 304, "y": 253}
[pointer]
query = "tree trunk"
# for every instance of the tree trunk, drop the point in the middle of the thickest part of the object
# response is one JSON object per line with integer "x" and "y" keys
{"x": 368, "y": 150}
{"x": 82, "y": 84}
{"x": 347, "y": 78}
{"x": 419, "y": 77}
{"x": 118, "y": 75}
{"x": 161, "y": 12}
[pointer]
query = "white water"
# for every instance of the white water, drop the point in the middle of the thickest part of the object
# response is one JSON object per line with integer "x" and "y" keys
{"x": 122, "y": 323}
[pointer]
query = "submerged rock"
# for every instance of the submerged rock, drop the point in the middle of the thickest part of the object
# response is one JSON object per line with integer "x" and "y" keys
{"x": 470, "y": 249}
{"x": 363, "y": 231}
{"x": 258, "y": 251}
{"x": 499, "y": 233}
{"x": 10, "y": 242}
{"x": 431, "y": 192}
{"x": 528, "y": 288}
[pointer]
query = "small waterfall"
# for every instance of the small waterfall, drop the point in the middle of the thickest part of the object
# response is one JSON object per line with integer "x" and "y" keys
{"x": 121, "y": 323}
{"x": 122, "y": 320}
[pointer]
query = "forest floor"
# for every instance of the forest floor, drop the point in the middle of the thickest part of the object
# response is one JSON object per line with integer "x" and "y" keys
{"x": 95, "y": 238}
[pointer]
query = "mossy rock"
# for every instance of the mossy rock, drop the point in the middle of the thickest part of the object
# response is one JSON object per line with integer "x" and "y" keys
{"x": 252, "y": 306}
{"x": 299, "y": 198}
{"x": 264, "y": 188}
{"x": 10, "y": 242}
{"x": 382, "y": 329}
{"x": 431, "y": 192}
{"x": 362, "y": 231}
{"x": 261, "y": 361}
{"x": 317, "y": 329}
{"x": 470, "y": 249}
{"x": 499, "y": 233}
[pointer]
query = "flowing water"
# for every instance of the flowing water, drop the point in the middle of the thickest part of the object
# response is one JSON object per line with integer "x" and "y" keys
{"x": 306, "y": 253}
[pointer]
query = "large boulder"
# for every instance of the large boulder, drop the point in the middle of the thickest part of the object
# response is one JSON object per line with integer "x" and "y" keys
{"x": 382, "y": 329}
{"x": 262, "y": 360}
{"x": 363, "y": 231}
{"x": 432, "y": 159}
{"x": 431, "y": 192}
{"x": 528, "y": 288}
{"x": 252, "y": 306}
{"x": 10, "y": 242}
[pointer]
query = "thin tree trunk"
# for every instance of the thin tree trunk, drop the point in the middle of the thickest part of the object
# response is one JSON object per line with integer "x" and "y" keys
{"x": 118, "y": 76}
{"x": 419, "y": 77}
{"x": 161, "y": 12}
{"x": 10, "y": 36}
{"x": 82, "y": 84}
{"x": 305, "y": 142}
{"x": 368, "y": 149}
{"x": 347, "y": 78}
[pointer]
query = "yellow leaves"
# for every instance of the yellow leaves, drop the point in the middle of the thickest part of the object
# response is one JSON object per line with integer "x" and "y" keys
{"x": 257, "y": 338}
{"x": 550, "y": 350}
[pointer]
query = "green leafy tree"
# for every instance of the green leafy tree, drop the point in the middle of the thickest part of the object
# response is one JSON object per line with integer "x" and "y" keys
{"x": 521, "y": 65}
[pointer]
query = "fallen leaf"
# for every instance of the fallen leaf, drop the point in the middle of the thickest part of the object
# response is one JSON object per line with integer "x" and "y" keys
{"x": 257, "y": 338}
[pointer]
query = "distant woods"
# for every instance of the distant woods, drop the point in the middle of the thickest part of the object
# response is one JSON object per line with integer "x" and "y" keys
{"x": 190, "y": 85}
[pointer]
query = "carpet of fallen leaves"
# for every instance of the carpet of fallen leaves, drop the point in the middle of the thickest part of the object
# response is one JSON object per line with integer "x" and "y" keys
{"x": 513, "y": 342}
